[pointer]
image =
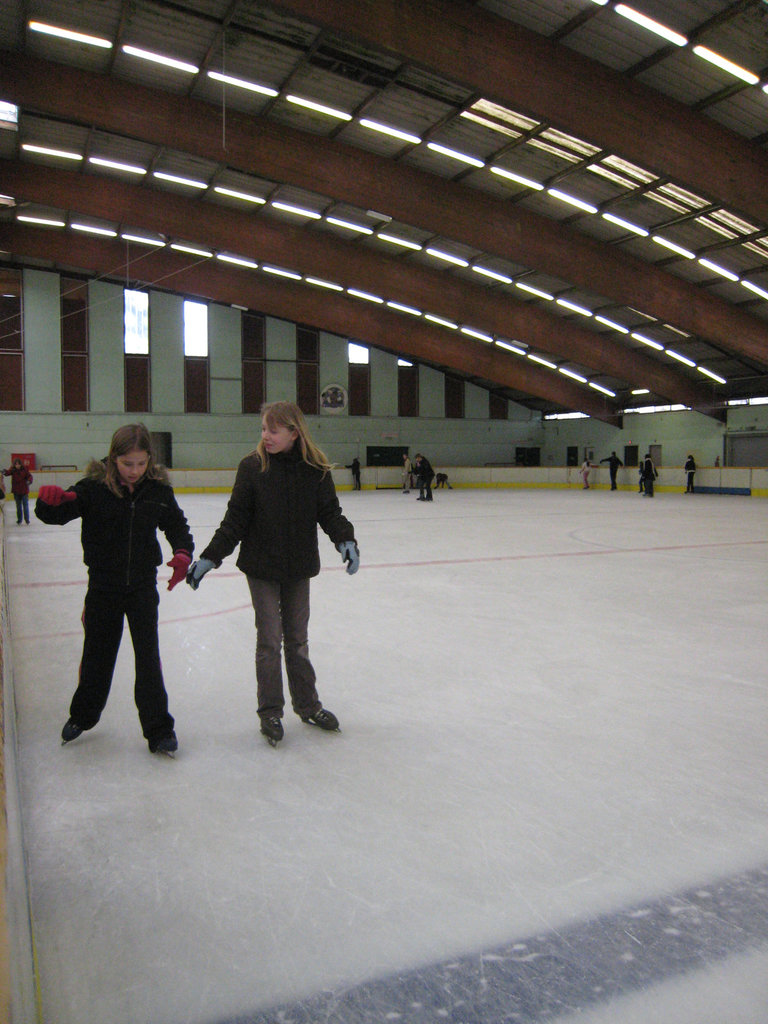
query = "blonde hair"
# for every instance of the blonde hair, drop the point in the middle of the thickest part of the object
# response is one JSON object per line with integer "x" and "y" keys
{"x": 130, "y": 438}
{"x": 288, "y": 414}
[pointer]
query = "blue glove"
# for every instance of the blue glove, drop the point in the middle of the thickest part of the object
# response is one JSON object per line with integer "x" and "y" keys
{"x": 197, "y": 570}
{"x": 350, "y": 554}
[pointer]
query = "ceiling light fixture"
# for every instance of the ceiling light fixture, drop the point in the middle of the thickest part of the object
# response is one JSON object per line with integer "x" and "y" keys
{"x": 180, "y": 247}
{"x": 612, "y": 324}
{"x": 349, "y": 225}
{"x": 647, "y": 341}
{"x": 177, "y": 180}
{"x": 301, "y": 211}
{"x": 519, "y": 178}
{"x": 480, "y": 335}
{"x": 48, "y": 222}
{"x": 239, "y": 261}
{"x": 142, "y": 240}
{"x": 319, "y": 283}
{"x": 727, "y": 65}
{"x": 454, "y": 154}
{"x": 582, "y": 310}
{"x": 241, "y": 83}
{"x": 565, "y": 197}
{"x": 492, "y": 274}
{"x": 626, "y": 224}
{"x": 116, "y": 165}
{"x": 447, "y": 257}
{"x": 544, "y": 362}
{"x": 280, "y": 272}
{"x": 534, "y": 291}
{"x": 64, "y": 154}
{"x": 511, "y": 348}
{"x": 404, "y": 309}
{"x": 65, "y": 33}
{"x": 660, "y": 240}
{"x": 709, "y": 373}
{"x": 718, "y": 269}
{"x": 605, "y": 391}
{"x": 234, "y": 194}
{"x": 754, "y": 288}
{"x": 91, "y": 229}
{"x": 680, "y": 358}
{"x": 159, "y": 58}
{"x": 574, "y": 376}
{"x": 384, "y": 129}
{"x": 433, "y": 318}
{"x": 320, "y": 108}
{"x": 653, "y": 26}
{"x": 394, "y": 240}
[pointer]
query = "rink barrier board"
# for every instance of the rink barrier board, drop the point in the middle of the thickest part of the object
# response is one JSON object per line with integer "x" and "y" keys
{"x": 20, "y": 1001}
{"x": 751, "y": 481}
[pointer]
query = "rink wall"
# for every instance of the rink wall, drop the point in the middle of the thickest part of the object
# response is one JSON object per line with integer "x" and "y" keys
{"x": 18, "y": 992}
{"x": 739, "y": 480}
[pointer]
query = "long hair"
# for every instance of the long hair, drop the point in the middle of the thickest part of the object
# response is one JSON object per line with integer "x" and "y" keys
{"x": 287, "y": 414}
{"x": 132, "y": 437}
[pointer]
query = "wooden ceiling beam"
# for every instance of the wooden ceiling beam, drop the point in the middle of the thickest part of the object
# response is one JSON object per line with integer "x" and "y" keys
{"x": 334, "y": 313}
{"x": 364, "y": 179}
{"x": 322, "y": 255}
{"x": 554, "y": 83}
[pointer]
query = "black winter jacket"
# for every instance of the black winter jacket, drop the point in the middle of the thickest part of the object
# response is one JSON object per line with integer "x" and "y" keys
{"x": 274, "y": 516}
{"x": 119, "y": 535}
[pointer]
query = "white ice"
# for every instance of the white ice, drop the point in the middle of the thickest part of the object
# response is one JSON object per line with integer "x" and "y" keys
{"x": 553, "y": 705}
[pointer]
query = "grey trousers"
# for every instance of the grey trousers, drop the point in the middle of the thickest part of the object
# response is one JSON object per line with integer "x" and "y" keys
{"x": 282, "y": 621}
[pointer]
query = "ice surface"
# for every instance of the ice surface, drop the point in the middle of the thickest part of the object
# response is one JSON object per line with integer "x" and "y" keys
{"x": 554, "y": 708}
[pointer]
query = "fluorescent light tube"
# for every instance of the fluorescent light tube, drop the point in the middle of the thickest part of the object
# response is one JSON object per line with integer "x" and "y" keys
{"x": 626, "y": 224}
{"x": 177, "y": 180}
{"x": 653, "y": 26}
{"x": 49, "y": 151}
{"x": 519, "y": 178}
{"x": 727, "y": 65}
{"x": 455, "y": 154}
{"x": 448, "y": 257}
{"x": 301, "y": 211}
{"x": 385, "y": 129}
{"x": 241, "y": 83}
{"x": 116, "y": 165}
{"x": 159, "y": 58}
{"x": 321, "y": 108}
{"x": 349, "y": 225}
{"x": 65, "y": 33}
{"x": 675, "y": 248}
{"x": 565, "y": 197}
{"x": 234, "y": 194}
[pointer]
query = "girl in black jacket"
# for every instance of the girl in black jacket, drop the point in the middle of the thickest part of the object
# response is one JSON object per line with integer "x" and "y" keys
{"x": 282, "y": 492}
{"x": 123, "y": 500}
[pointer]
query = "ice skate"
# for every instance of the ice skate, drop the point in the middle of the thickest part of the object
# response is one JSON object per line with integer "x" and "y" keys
{"x": 167, "y": 745}
{"x": 272, "y": 728}
{"x": 70, "y": 732}
{"x": 323, "y": 720}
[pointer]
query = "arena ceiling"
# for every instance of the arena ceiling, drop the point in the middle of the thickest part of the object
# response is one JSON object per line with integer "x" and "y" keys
{"x": 563, "y": 201}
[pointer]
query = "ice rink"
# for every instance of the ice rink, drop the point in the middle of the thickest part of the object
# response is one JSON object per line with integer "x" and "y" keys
{"x": 548, "y": 801}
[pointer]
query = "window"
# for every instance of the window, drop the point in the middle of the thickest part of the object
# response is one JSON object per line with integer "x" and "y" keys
{"x": 253, "y": 338}
{"x": 11, "y": 342}
{"x": 407, "y": 389}
{"x": 136, "y": 351}
{"x": 454, "y": 398}
{"x": 308, "y": 370}
{"x": 359, "y": 381}
{"x": 497, "y": 407}
{"x": 74, "y": 345}
{"x": 196, "y": 377}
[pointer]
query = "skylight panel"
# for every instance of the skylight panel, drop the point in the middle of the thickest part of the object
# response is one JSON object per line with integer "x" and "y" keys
{"x": 506, "y": 116}
{"x": 563, "y": 154}
{"x": 694, "y": 201}
{"x": 625, "y": 167}
{"x": 569, "y": 142}
{"x": 487, "y": 123}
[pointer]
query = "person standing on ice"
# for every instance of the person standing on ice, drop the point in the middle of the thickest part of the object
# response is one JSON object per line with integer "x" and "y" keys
{"x": 122, "y": 501}
{"x": 283, "y": 491}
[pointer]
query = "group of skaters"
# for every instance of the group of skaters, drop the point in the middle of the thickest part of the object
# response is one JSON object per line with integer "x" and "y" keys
{"x": 282, "y": 492}
{"x": 420, "y": 473}
{"x": 647, "y": 473}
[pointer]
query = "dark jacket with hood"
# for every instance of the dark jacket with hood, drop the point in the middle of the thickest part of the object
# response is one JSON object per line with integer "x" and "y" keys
{"x": 274, "y": 515}
{"x": 119, "y": 535}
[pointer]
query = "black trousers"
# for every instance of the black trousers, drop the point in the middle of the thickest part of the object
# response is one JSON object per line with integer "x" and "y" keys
{"x": 103, "y": 615}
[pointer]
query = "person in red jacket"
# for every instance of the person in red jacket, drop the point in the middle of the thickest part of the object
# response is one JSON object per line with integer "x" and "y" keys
{"x": 21, "y": 478}
{"x": 282, "y": 492}
{"x": 122, "y": 501}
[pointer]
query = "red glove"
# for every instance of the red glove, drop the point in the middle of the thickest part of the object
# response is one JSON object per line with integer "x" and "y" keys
{"x": 179, "y": 563}
{"x": 50, "y": 494}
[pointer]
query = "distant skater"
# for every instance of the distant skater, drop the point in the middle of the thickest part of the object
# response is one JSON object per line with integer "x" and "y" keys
{"x": 585, "y": 468}
{"x": 650, "y": 474}
{"x": 283, "y": 491}
{"x": 425, "y": 475}
{"x": 123, "y": 501}
{"x": 690, "y": 469}
{"x": 21, "y": 479}
{"x": 407, "y": 474}
{"x": 614, "y": 462}
{"x": 354, "y": 466}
